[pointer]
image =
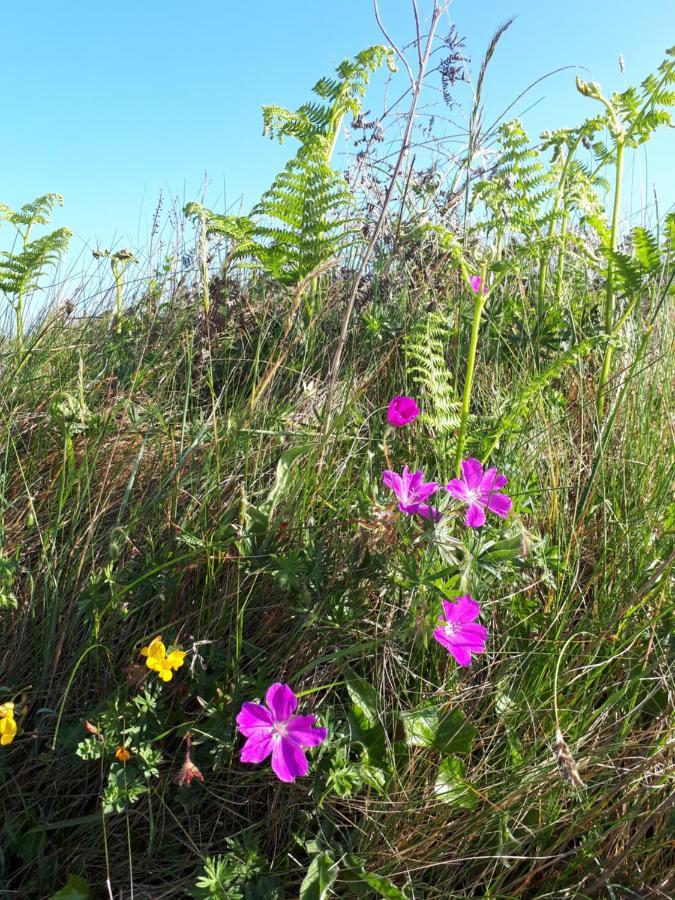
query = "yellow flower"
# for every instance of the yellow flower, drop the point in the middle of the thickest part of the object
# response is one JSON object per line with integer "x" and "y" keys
{"x": 7, "y": 728}
{"x": 175, "y": 658}
{"x": 7, "y": 709}
{"x": 158, "y": 661}
{"x": 122, "y": 754}
{"x": 155, "y": 652}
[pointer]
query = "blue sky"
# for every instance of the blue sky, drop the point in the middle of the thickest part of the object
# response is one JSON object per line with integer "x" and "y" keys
{"x": 110, "y": 103}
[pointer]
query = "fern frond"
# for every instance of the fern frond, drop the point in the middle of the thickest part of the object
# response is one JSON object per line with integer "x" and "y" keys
{"x": 425, "y": 347}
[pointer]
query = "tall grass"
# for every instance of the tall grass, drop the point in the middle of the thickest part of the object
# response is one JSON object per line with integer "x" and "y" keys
{"x": 148, "y": 485}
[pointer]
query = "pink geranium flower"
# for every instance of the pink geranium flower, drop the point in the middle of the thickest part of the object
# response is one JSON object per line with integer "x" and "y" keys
{"x": 412, "y": 491}
{"x": 479, "y": 491}
{"x": 475, "y": 281}
{"x": 275, "y": 729}
{"x": 459, "y": 632}
{"x": 402, "y": 411}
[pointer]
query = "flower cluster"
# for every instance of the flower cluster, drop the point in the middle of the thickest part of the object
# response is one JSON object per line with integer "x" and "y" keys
{"x": 158, "y": 661}
{"x": 458, "y": 630}
{"x": 478, "y": 490}
{"x": 7, "y": 724}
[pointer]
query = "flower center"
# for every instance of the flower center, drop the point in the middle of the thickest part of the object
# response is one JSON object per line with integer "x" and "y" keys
{"x": 279, "y": 729}
{"x": 450, "y": 629}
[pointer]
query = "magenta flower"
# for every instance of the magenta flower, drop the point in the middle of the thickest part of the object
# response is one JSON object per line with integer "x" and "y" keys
{"x": 402, "y": 411}
{"x": 475, "y": 281}
{"x": 478, "y": 491}
{"x": 459, "y": 632}
{"x": 411, "y": 492}
{"x": 275, "y": 729}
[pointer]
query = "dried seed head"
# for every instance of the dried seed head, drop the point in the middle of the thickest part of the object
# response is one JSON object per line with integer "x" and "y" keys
{"x": 565, "y": 761}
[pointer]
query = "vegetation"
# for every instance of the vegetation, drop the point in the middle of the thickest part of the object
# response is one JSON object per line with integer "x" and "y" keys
{"x": 192, "y": 508}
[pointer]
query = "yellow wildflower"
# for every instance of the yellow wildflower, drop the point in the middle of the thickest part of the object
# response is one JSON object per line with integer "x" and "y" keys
{"x": 158, "y": 661}
{"x": 7, "y": 709}
{"x": 7, "y": 729}
{"x": 122, "y": 754}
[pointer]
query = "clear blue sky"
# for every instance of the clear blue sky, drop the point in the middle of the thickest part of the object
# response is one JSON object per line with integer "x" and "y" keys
{"x": 110, "y": 103}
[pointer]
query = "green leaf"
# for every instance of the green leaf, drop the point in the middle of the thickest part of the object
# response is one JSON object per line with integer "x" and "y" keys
{"x": 321, "y": 874}
{"x": 445, "y": 732}
{"x": 450, "y": 786}
{"x": 378, "y": 883}
{"x": 420, "y": 725}
{"x": 284, "y": 467}
{"x": 363, "y": 697}
{"x": 75, "y": 888}
{"x": 454, "y": 734}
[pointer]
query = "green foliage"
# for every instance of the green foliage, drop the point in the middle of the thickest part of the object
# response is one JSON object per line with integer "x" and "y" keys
{"x": 151, "y": 497}
{"x": 239, "y": 874}
{"x": 303, "y": 219}
{"x": 426, "y": 347}
{"x": 450, "y": 785}
{"x": 511, "y": 418}
{"x": 518, "y": 189}
{"x": 20, "y": 272}
{"x": 75, "y": 888}
{"x": 446, "y": 732}
{"x": 131, "y": 724}
{"x": 320, "y": 877}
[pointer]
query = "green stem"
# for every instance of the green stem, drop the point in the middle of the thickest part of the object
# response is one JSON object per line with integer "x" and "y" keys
{"x": 471, "y": 361}
{"x": 609, "y": 296}
{"x": 561, "y": 260}
{"x": 18, "y": 309}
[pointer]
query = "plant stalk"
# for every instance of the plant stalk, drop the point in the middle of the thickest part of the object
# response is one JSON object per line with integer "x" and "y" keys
{"x": 609, "y": 297}
{"x": 471, "y": 362}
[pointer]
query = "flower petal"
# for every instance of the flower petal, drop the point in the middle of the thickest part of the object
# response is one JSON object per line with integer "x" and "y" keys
{"x": 429, "y": 512}
{"x": 252, "y": 718}
{"x": 393, "y": 481}
{"x": 473, "y": 635}
{"x": 461, "y": 653}
{"x": 458, "y": 489}
{"x": 257, "y": 748}
{"x": 475, "y": 516}
{"x": 303, "y": 731}
{"x": 402, "y": 410}
{"x": 288, "y": 760}
{"x": 472, "y": 472}
{"x": 442, "y": 638}
{"x": 466, "y": 609}
{"x": 499, "y": 504}
{"x": 281, "y": 701}
{"x": 492, "y": 481}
